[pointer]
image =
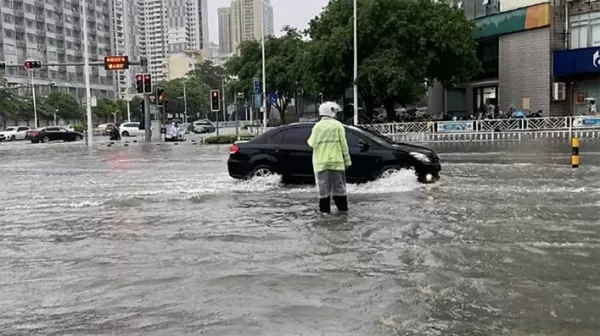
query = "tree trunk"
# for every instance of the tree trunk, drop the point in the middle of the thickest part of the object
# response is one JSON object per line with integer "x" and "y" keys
{"x": 388, "y": 104}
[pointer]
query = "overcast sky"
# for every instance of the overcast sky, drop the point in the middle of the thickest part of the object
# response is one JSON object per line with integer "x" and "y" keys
{"x": 296, "y": 13}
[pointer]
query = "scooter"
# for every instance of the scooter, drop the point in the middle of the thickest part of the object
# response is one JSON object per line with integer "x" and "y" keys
{"x": 171, "y": 138}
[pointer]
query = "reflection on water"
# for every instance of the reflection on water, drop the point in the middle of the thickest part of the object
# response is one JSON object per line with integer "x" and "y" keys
{"x": 158, "y": 240}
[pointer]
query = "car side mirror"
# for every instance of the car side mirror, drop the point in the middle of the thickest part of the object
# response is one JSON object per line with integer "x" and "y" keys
{"x": 363, "y": 145}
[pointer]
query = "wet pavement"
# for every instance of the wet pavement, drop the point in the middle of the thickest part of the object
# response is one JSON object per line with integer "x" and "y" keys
{"x": 158, "y": 240}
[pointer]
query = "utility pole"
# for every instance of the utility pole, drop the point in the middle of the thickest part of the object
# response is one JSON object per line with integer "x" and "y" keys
{"x": 86, "y": 75}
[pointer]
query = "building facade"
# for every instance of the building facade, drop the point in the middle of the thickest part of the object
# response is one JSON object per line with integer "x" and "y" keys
{"x": 51, "y": 32}
{"x": 224, "y": 15}
{"x": 124, "y": 41}
{"x": 516, "y": 40}
{"x": 170, "y": 27}
{"x": 246, "y": 18}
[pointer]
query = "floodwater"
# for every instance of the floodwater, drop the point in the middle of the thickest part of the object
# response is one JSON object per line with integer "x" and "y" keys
{"x": 158, "y": 240}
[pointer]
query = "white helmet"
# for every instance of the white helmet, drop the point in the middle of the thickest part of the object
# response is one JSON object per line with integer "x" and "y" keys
{"x": 329, "y": 109}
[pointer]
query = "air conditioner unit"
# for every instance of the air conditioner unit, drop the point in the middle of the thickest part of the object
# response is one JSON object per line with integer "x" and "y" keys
{"x": 559, "y": 91}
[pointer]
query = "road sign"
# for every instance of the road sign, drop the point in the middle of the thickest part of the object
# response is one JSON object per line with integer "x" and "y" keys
{"x": 119, "y": 62}
{"x": 257, "y": 87}
{"x": 257, "y": 101}
{"x": 273, "y": 98}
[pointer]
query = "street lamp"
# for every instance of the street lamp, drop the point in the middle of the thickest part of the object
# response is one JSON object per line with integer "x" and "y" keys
{"x": 86, "y": 73}
{"x": 115, "y": 113}
{"x": 264, "y": 73}
{"x": 55, "y": 112}
{"x": 355, "y": 94}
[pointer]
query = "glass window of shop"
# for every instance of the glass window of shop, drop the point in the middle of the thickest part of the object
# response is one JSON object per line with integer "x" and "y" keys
{"x": 479, "y": 8}
{"x": 488, "y": 54}
{"x": 585, "y": 30}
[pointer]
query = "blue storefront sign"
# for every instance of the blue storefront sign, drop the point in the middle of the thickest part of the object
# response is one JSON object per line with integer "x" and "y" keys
{"x": 586, "y": 122}
{"x": 454, "y": 126}
{"x": 257, "y": 101}
{"x": 576, "y": 61}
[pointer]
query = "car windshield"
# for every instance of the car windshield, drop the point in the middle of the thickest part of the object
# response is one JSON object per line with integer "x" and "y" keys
{"x": 11, "y": 128}
{"x": 377, "y": 137}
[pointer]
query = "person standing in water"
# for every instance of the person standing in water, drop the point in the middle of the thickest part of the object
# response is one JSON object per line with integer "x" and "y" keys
{"x": 331, "y": 158}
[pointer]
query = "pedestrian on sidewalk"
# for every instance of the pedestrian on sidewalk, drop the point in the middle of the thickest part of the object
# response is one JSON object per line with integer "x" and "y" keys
{"x": 331, "y": 158}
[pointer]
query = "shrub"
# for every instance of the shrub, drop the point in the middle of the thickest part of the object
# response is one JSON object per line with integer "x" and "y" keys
{"x": 79, "y": 128}
{"x": 226, "y": 139}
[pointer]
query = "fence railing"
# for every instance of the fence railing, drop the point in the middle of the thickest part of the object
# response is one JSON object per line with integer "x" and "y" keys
{"x": 481, "y": 126}
{"x": 489, "y": 125}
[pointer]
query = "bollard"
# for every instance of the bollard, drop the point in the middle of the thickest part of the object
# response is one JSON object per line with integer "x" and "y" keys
{"x": 575, "y": 152}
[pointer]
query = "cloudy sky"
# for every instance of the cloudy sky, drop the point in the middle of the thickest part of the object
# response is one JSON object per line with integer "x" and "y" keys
{"x": 287, "y": 12}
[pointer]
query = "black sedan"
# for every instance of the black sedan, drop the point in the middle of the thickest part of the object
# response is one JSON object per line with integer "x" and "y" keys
{"x": 284, "y": 151}
{"x": 52, "y": 133}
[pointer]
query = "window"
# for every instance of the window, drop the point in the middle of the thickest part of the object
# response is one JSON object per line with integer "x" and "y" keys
{"x": 297, "y": 136}
{"x": 352, "y": 139}
{"x": 585, "y": 30}
{"x": 21, "y": 129}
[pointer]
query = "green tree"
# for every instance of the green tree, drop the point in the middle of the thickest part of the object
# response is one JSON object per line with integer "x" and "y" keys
{"x": 63, "y": 103}
{"x": 402, "y": 46}
{"x": 196, "y": 94}
{"x": 283, "y": 62}
{"x": 105, "y": 108}
{"x": 209, "y": 73}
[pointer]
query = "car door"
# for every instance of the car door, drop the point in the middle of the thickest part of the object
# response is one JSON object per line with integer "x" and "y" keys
{"x": 296, "y": 155}
{"x": 21, "y": 132}
{"x": 366, "y": 159}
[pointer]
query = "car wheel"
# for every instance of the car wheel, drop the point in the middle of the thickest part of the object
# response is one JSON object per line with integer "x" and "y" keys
{"x": 46, "y": 139}
{"x": 262, "y": 171}
{"x": 77, "y": 137}
{"x": 13, "y": 138}
{"x": 125, "y": 134}
{"x": 388, "y": 171}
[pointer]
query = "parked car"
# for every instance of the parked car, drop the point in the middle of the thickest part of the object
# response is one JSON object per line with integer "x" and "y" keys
{"x": 131, "y": 129}
{"x": 203, "y": 126}
{"x": 13, "y": 133}
{"x": 284, "y": 151}
{"x": 53, "y": 133}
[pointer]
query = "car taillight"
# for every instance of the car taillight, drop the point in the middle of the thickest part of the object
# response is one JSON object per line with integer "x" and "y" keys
{"x": 234, "y": 149}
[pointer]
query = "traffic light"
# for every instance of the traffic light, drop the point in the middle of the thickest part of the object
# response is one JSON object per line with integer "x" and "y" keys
{"x": 116, "y": 62}
{"x": 166, "y": 106}
{"x": 147, "y": 83}
{"x": 2, "y": 65}
{"x": 139, "y": 83}
{"x": 215, "y": 101}
{"x": 32, "y": 65}
{"x": 160, "y": 97}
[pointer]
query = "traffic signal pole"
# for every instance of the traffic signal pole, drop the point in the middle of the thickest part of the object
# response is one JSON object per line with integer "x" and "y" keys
{"x": 147, "y": 121}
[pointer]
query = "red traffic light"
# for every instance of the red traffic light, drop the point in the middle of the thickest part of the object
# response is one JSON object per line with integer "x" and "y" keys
{"x": 32, "y": 65}
{"x": 146, "y": 77}
{"x": 215, "y": 93}
{"x": 139, "y": 78}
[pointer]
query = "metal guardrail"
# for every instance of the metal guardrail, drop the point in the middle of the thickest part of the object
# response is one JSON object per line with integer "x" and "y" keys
{"x": 489, "y": 125}
{"x": 416, "y": 130}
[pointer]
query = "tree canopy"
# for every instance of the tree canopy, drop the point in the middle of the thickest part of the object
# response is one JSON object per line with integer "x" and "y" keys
{"x": 283, "y": 63}
{"x": 403, "y": 46}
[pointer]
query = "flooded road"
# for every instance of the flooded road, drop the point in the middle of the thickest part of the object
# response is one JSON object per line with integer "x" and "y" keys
{"x": 158, "y": 240}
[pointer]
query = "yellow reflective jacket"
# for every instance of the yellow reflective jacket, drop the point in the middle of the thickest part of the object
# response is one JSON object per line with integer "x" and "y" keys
{"x": 330, "y": 149}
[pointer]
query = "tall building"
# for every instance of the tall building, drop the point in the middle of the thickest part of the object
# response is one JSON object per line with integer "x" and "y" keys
{"x": 36, "y": 30}
{"x": 246, "y": 18}
{"x": 124, "y": 42}
{"x": 169, "y": 27}
{"x": 225, "y": 30}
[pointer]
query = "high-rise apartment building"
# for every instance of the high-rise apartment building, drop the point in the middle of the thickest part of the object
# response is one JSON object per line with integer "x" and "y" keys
{"x": 168, "y": 27}
{"x": 225, "y": 30}
{"x": 245, "y": 21}
{"x": 124, "y": 42}
{"x": 51, "y": 32}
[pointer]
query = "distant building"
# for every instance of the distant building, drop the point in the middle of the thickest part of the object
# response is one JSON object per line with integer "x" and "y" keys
{"x": 225, "y": 30}
{"x": 242, "y": 22}
{"x": 169, "y": 27}
{"x": 179, "y": 64}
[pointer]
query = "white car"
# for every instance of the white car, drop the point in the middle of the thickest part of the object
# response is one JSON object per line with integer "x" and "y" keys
{"x": 131, "y": 129}
{"x": 13, "y": 133}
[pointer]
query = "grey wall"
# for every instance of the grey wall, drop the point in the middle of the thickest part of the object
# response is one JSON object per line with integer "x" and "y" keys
{"x": 525, "y": 61}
